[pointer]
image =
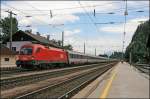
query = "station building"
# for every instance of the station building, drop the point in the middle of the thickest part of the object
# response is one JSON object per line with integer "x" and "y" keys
{"x": 21, "y": 38}
{"x": 7, "y": 57}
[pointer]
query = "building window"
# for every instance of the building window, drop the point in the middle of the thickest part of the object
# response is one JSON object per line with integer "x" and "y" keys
{"x": 6, "y": 59}
{"x": 13, "y": 48}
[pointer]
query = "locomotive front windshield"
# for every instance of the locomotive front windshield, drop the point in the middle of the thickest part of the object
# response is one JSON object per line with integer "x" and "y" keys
{"x": 26, "y": 51}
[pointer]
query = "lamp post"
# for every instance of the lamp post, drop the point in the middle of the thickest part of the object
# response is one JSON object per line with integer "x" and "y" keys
{"x": 62, "y": 34}
{"x": 10, "y": 14}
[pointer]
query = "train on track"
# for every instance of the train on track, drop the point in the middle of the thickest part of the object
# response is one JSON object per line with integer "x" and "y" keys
{"x": 40, "y": 56}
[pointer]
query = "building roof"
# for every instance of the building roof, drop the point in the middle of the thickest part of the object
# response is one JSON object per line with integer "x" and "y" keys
{"x": 6, "y": 51}
{"x": 33, "y": 38}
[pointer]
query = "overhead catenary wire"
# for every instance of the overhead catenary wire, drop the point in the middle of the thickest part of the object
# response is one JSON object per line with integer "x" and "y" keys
{"x": 23, "y": 12}
{"x": 90, "y": 18}
{"x": 77, "y": 23}
{"x": 98, "y": 23}
{"x": 27, "y": 14}
{"x": 86, "y": 15}
{"x": 73, "y": 7}
{"x": 82, "y": 14}
{"x": 36, "y": 8}
{"x": 98, "y": 5}
{"x": 124, "y": 31}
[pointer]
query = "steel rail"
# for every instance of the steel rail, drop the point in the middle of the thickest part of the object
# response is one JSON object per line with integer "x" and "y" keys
{"x": 7, "y": 71}
{"x": 98, "y": 71}
{"x": 75, "y": 90}
{"x": 144, "y": 68}
{"x": 24, "y": 80}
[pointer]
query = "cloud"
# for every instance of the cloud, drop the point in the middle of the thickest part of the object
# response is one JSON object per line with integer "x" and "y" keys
{"x": 131, "y": 26}
{"x": 102, "y": 44}
{"x": 40, "y": 10}
{"x": 63, "y": 19}
{"x": 24, "y": 22}
{"x": 135, "y": 3}
{"x": 106, "y": 44}
{"x": 71, "y": 33}
{"x": 63, "y": 13}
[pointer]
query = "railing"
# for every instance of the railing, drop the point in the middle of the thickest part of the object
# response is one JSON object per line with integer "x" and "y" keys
{"x": 145, "y": 68}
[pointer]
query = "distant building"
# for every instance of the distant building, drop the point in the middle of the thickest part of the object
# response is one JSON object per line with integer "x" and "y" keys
{"x": 7, "y": 57}
{"x": 21, "y": 38}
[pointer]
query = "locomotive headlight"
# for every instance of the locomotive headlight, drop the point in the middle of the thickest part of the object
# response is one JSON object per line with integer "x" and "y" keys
{"x": 32, "y": 57}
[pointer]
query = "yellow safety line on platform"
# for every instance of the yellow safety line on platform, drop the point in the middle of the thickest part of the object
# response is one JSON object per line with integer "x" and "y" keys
{"x": 108, "y": 85}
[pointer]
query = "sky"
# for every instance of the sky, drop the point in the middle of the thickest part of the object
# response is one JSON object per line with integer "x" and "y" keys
{"x": 77, "y": 20}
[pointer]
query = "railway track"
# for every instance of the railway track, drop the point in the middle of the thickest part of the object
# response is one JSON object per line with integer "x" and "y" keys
{"x": 69, "y": 87}
{"x": 5, "y": 72}
{"x": 144, "y": 68}
{"x": 20, "y": 80}
{"x": 9, "y": 71}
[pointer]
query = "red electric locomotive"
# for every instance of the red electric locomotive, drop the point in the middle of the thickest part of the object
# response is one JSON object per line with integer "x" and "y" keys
{"x": 39, "y": 56}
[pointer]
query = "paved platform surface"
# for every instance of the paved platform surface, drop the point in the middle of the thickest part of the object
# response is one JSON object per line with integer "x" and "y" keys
{"x": 122, "y": 82}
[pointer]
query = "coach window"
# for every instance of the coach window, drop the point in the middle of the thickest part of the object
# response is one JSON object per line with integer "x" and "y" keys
{"x": 79, "y": 57}
{"x": 82, "y": 56}
{"x": 71, "y": 55}
{"x": 76, "y": 56}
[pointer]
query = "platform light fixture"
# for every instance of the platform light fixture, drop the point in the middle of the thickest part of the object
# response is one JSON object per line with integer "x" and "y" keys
{"x": 111, "y": 22}
{"x": 111, "y": 13}
{"x": 140, "y": 11}
{"x": 28, "y": 26}
{"x": 28, "y": 16}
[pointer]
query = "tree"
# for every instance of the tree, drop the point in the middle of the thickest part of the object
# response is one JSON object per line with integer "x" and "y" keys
{"x": 103, "y": 55}
{"x": 5, "y": 25}
{"x": 59, "y": 43}
{"x": 68, "y": 47}
{"x": 117, "y": 55}
{"x": 137, "y": 47}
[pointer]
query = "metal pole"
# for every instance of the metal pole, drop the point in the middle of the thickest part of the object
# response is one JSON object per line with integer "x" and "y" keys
{"x": 10, "y": 39}
{"x": 62, "y": 39}
{"x": 95, "y": 51}
{"x": 125, "y": 14}
{"x": 84, "y": 47}
{"x": 130, "y": 58}
{"x": 10, "y": 30}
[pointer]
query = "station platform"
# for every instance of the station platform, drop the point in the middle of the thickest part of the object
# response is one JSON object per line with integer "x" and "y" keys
{"x": 122, "y": 81}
